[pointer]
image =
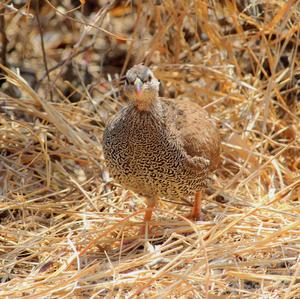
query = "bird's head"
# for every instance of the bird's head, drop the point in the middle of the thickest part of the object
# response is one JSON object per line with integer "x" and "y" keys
{"x": 141, "y": 86}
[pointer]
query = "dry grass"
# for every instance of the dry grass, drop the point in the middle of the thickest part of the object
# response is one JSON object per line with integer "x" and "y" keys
{"x": 67, "y": 231}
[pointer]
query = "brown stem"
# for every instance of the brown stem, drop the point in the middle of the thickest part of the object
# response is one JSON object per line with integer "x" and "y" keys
{"x": 4, "y": 37}
{"x": 37, "y": 14}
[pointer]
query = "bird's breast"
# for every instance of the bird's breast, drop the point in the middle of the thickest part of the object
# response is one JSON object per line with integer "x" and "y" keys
{"x": 141, "y": 143}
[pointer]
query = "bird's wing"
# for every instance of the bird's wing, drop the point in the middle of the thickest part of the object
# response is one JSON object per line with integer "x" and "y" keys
{"x": 198, "y": 133}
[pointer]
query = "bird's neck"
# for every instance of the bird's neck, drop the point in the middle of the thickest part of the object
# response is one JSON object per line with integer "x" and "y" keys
{"x": 145, "y": 104}
{"x": 153, "y": 113}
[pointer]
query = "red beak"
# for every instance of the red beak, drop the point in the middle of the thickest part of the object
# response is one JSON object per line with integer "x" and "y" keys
{"x": 138, "y": 86}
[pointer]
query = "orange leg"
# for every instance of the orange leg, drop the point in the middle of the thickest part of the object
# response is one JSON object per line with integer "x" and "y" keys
{"x": 148, "y": 214}
{"x": 196, "y": 211}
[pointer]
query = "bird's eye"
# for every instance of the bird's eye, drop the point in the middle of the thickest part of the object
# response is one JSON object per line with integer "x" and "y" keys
{"x": 147, "y": 79}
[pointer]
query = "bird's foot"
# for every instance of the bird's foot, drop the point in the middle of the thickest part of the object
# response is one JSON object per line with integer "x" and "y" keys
{"x": 195, "y": 217}
{"x": 145, "y": 230}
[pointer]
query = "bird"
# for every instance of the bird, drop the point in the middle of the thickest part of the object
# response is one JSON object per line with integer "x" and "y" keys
{"x": 159, "y": 147}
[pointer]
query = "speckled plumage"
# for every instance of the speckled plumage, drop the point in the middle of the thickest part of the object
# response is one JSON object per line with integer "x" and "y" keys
{"x": 160, "y": 147}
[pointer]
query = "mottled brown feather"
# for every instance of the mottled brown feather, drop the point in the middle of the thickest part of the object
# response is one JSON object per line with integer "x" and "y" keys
{"x": 196, "y": 130}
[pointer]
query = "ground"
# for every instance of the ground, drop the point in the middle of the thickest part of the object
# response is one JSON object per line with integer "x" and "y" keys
{"x": 68, "y": 230}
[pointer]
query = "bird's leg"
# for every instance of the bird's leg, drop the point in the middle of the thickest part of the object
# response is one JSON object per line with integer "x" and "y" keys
{"x": 196, "y": 211}
{"x": 148, "y": 214}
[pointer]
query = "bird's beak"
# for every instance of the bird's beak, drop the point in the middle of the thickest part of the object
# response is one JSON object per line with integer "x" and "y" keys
{"x": 138, "y": 84}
